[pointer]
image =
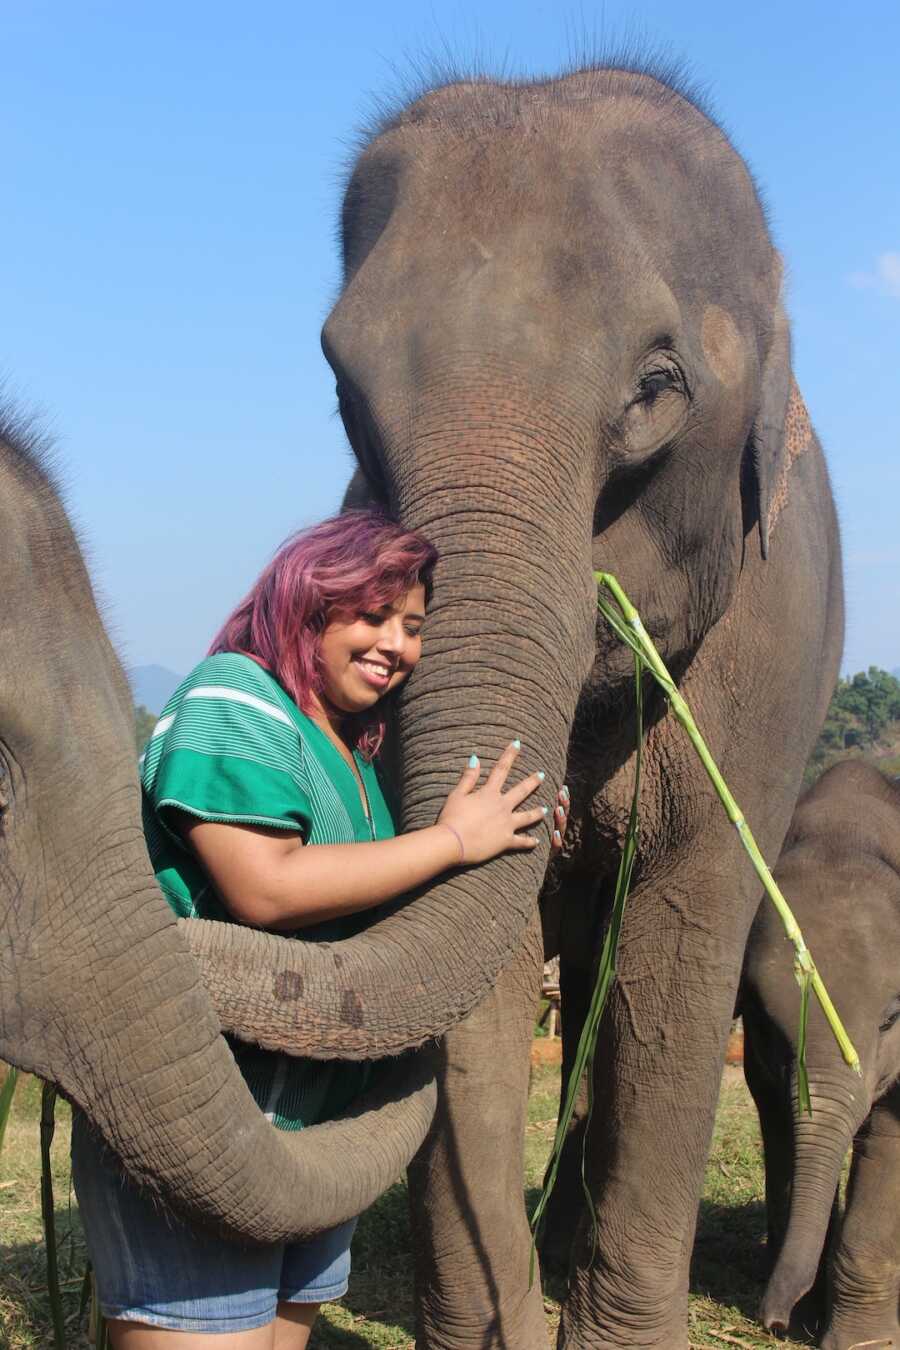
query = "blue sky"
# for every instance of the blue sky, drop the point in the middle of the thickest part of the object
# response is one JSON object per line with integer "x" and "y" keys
{"x": 172, "y": 177}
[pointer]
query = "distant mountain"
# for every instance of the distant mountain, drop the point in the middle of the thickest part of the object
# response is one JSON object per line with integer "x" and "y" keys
{"x": 152, "y": 685}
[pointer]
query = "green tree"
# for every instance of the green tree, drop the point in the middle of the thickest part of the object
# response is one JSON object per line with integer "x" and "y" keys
{"x": 872, "y": 698}
{"x": 144, "y": 722}
{"x": 862, "y": 711}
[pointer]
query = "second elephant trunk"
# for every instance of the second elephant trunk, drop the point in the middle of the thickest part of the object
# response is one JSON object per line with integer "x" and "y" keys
{"x": 821, "y": 1142}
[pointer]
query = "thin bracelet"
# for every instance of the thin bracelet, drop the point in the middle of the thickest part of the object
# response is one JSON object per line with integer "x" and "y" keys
{"x": 458, "y": 837}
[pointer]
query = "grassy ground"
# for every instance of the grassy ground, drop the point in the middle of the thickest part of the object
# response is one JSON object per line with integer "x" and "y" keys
{"x": 728, "y": 1259}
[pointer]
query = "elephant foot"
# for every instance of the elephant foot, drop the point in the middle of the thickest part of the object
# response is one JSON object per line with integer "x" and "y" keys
{"x": 862, "y": 1336}
{"x": 582, "y": 1339}
{"x": 493, "y": 1336}
{"x": 580, "y": 1336}
{"x": 643, "y": 1306}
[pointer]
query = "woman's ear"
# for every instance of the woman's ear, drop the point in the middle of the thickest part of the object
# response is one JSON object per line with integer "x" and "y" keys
{"x": 767, "y": 437}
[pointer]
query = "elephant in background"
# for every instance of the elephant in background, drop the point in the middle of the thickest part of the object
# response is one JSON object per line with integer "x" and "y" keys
{"x": 561, "y": 345}
{"x": 840, "y": 868}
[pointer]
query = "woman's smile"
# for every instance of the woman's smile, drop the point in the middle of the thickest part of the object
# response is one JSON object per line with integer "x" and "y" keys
{"x": 375, "y": 673}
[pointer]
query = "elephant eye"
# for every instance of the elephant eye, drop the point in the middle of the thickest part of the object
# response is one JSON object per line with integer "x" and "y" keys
{"x": 658, "y": 405}
{"x": 892, "y": 1015}
{"x": 654, "y": 383}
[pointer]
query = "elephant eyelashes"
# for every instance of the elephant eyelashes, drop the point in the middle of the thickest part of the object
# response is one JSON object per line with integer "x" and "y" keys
{"x": 892, "y": 1015}
{"x": 654, "y": 384}
{"x": 656, "y": 411}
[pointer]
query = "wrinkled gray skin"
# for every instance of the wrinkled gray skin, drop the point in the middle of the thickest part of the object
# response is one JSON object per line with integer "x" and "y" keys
{"x": 98, "y": 989}
{"x": 840, "y": 869}
{"x": 560, "y": 346}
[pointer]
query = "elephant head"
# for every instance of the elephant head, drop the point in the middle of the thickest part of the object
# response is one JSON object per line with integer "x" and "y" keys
{"x": 548, "y": 361}
{"x": 840, "y": 869}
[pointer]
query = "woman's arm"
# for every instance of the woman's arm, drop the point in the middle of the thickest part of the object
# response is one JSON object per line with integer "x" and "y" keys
{"x": 269, "y": 879}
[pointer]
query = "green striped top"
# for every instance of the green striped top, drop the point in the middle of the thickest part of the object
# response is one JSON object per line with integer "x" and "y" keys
{"x": 231, "y": 745}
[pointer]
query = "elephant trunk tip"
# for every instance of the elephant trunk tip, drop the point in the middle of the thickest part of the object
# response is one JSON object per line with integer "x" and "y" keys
{"x": 782, "y": 1295}
{"x": 775, "y": 1323}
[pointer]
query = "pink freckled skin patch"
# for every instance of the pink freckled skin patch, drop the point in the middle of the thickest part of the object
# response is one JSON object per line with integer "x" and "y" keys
{"x": 723, "y": 345}
{"x": 797, "y": 439}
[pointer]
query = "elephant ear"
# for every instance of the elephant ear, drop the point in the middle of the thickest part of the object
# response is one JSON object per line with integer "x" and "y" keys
{"x": 768, "y": 438}
{"x": 359, "y": 494}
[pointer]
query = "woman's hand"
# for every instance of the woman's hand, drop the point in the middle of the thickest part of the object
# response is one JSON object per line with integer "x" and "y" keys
{"x": 487, "y": 821}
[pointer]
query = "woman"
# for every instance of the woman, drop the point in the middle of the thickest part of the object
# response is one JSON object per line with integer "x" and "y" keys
{"x": 263, "y": 806}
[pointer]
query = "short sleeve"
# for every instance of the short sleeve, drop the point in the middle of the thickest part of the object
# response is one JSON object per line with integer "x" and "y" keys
{"x": 230, "y": 752}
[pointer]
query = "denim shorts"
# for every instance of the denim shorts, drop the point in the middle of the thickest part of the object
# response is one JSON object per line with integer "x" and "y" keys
{"x": 151, "y": 1266}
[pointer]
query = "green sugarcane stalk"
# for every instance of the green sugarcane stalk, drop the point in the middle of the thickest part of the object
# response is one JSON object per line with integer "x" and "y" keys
{"x": 635, "y": 634}
{"x": 626, "y": 623}
{"x": 606, "y": 971}
{"x": 48, "y": 1126}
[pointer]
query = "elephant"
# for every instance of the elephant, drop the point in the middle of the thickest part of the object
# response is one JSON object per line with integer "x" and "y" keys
{"x": 840, "y": 866}
{"x": 560, "y": 344}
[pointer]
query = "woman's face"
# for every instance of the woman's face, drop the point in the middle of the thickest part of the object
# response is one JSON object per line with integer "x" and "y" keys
{"x": 362, "y": 659}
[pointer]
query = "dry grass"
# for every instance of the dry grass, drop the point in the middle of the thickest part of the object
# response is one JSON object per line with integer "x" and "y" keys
{"x": 377, "y": 1312}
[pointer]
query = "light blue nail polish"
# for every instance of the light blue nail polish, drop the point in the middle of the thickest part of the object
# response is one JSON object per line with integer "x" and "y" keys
{"x": 517, "y": 744}
{"x": 473, "y": 761}
{"x": 545, "y": 809}
{"x": 564, "y": 792}
{"x": 557, "y": 837}
{"x": 541, "y": 775}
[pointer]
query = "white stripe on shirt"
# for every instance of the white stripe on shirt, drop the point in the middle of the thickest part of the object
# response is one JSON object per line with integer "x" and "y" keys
{"x": 239, "y": 696}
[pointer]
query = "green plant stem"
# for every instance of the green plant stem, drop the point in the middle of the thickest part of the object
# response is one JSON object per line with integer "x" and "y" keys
{"x": 606, "y": 971}
{"x": 48, "y": 1126}
{"x": 7, "y": 1092}
{"x": 639, "y": 640}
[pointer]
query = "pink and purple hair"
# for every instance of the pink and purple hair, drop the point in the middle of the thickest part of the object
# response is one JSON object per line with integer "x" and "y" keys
{"x": 350, "y": 564}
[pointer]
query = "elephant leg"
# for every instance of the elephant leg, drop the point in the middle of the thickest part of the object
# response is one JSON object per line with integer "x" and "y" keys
{"x": 866, "y": 1271}
{"x": 657, "y": 1074}
{"x": 776, "y": 1126}
{"x": 470, "y": 1233}
{"x": 567, "y": 1200}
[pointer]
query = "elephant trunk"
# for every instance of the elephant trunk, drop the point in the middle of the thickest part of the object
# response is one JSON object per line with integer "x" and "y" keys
{"x": 503, "y": 660}
{"x": 129, "y": 1036}
{"x": 821, "y": 1142}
